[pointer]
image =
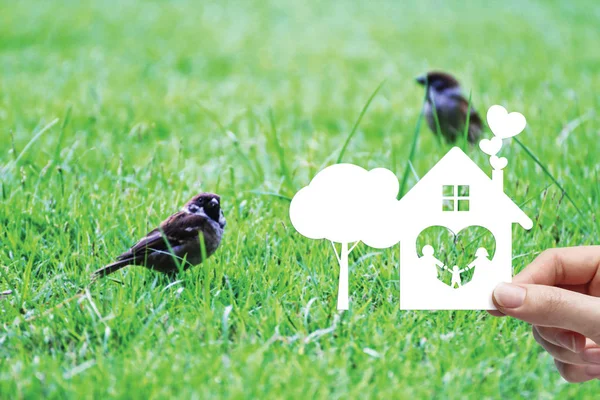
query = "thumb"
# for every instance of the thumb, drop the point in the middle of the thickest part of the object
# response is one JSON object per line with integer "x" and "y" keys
{"x": 550, "y": 306}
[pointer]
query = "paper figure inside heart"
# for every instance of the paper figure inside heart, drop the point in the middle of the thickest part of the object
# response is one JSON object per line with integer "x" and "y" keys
{"x": 456, "y": 259}
{"x": 347, "y": 204}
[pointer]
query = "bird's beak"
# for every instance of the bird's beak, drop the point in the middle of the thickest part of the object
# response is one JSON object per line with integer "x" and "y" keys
{"x": 421, "y": 80}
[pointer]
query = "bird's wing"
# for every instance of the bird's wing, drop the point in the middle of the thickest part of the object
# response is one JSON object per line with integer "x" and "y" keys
{"x": 474, "y": 119}
{"x": 153, "y": 239}
{"x": 464, "y": 107}
{"x": 172, "y": 232}
{"x": 475, "y": 122}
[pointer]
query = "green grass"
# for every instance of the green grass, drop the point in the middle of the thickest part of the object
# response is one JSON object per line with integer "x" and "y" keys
{"x": 158, "y": 100}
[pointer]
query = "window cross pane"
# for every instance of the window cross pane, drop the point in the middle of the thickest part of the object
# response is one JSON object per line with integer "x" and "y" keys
{"x": 455, "y": 197}
{"x": 448, "y": 205}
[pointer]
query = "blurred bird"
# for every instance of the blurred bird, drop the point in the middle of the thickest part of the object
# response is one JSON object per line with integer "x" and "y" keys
{"x": 6, "y": 293}
{"x": 445, "y": 98}
{"x": 177, "y": 239}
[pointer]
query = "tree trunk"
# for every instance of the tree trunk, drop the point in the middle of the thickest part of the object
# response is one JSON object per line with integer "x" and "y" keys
{"x": 342, "y": 303}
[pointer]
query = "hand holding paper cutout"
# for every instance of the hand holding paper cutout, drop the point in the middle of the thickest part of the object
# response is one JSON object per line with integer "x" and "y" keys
{"x": 558, "y": 294}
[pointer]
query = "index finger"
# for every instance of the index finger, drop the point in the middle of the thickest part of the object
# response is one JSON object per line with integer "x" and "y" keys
{"x": 562, "y": 266}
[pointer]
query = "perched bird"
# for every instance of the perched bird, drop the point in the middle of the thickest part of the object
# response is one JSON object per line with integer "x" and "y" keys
{"x": 177, "y": 239}
{"x": 445, "y": 97}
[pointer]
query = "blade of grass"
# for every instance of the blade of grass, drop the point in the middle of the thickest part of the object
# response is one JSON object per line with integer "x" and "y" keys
{"x": 279, "y": 196}
{"x": 589, "y": 206}
{"x": 31, "y": 142}
{"x": 547, "y": 172}
{"x": 62, "y": 132}
{"x": 468, "y": 120}
{"x": 360, "y": 117}
{"x": 236, "y": 143}
{"x": 438, "y": 129}
{"x": 280, "y": 153}
{"x": 413, "y": 148}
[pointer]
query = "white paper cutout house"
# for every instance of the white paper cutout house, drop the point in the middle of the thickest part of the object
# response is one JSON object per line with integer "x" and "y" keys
{"x": 426, "y": 205}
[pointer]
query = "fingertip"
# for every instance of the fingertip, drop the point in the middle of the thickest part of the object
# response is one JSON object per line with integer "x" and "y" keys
{"x": 593, "y": 371}
{"x": 566, "y": 338}
{"x": 573, "y": 341}
{"x": 580, "y": 342}
{"x": 577, "y": 373}
{"x": 507, "y": 296}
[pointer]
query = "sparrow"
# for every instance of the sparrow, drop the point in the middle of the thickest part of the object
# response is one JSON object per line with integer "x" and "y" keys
{"x": 177, "y": 238}
{"x": 445, "y": 97}
{"x": 5, "y": 293}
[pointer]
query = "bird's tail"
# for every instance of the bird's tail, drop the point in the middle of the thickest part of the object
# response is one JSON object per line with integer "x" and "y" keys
{"x": 110, "y": 268}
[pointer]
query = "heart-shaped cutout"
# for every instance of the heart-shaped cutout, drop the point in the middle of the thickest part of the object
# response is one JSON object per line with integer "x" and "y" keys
{"x": 462, "y": 250}
{"x": 503, "y": 124}
{"x": 491, "y": 146}
{"x": 498, "y": 162}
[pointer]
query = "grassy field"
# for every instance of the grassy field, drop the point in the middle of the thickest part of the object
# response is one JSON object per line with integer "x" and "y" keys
{"x": 112, "y": 115}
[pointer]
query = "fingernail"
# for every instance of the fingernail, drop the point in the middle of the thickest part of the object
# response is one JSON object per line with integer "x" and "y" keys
{"x": 592, "y": 356}
{"x": 567, "y": 341}
{"x": 509, "y": 296}
{"x": 593, "y": 371}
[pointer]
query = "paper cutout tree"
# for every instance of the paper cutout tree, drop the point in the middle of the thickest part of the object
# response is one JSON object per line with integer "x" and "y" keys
{"x": 347, "y": 204}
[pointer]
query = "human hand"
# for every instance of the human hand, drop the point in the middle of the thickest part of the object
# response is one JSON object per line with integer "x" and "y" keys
{"x": 558, "y": 294}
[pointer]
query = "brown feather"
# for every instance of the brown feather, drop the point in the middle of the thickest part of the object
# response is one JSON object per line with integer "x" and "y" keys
{"x": 170, "y": 231}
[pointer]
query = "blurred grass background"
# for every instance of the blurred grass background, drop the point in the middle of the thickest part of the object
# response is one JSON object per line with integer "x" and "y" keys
{"x": 113, "y": 113}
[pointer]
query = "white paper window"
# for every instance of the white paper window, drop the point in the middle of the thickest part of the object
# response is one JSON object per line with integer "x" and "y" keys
{"x": 455, "y": 198}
